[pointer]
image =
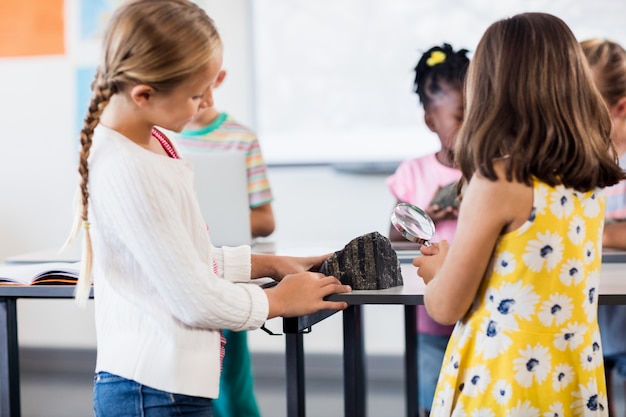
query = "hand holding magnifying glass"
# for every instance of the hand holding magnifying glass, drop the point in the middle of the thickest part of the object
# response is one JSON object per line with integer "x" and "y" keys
{"x": 413, "y": 223}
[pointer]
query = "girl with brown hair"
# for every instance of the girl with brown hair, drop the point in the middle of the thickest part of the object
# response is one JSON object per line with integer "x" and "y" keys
{"x": 521, "y": 277}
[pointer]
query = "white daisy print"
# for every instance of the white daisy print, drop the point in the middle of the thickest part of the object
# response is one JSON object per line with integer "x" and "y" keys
{"x": 571, "y": 272}
{"x": 534, "y": 363}
{"x": 590, "y": 303}
{"x": 594, "y": 278}
{"x": 505, "y": 263}
{"x": 442, "y": 403}
{"x": 599, "y": 240}
{"x": 562, "y": 376}
{"x": 511, "y": 301}
{"x": 591, "y": 205}
{"x": 475, "y": 381}
{"x": 491, "y": 340}
{"x": 483, "y": 412}
{"x": 452, "y": 367}
{"x": 545, "y": 251}
{"x": 540, "y": 199}
{"x": 555, "y": 410}
{"x": 459, "y": 411}
{"x": 523, "y": 409}
{"x": 561, "y": 202}
{"x": 556, "y": 310}
{"x": 502, "y": 391}
{"x": 591, "y": 356}
{"x": 463, "y": 335}
{"x": 590, "y": 251}
{"x": 570, "y": 337}
{"x": 577, "y": 229}
{"x": 589, "y": 401}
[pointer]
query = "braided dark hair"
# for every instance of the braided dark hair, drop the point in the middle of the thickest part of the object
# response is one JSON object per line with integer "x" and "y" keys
{"x": 440, "y": 64}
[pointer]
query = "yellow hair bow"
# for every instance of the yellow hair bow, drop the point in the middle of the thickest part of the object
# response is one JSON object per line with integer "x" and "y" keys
{"x": 436, "y": 57}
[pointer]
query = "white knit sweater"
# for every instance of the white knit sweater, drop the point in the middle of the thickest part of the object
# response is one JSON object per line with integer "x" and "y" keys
{"x": 158, "y": 299}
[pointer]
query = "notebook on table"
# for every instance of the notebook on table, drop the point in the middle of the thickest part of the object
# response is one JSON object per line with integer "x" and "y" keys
{"x": 221, "y": 183}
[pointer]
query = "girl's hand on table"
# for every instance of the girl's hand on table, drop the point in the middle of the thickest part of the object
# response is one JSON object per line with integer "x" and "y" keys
{"x": 304, "y": 293}
{"x": 277, "y": 267}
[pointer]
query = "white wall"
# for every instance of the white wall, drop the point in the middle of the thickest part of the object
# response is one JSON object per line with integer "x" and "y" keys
{"x": 339, "y": 74}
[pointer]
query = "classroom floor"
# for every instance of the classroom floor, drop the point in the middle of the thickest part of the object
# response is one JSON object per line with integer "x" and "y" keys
{"x": 66, "y": 389}
{"x": 54, "y": 393}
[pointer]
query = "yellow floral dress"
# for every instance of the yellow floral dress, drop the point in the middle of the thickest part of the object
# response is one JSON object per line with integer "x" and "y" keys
{"x": 530, "y": 344}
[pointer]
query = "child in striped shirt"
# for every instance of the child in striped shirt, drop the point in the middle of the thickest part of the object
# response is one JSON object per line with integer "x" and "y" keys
{"x": 211, "y": 130}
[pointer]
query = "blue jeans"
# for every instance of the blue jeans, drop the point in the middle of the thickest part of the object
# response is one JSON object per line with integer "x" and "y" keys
{"x": 618, "y": 362}
{"x": 431, "y": 350}
{"x": 114, "y": 396}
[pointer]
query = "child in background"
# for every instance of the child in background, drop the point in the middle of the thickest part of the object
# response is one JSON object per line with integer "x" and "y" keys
{"x": 211, "y": 130}
{"x": 162, "y": 290}
{"x": 521, "y": 277}
{"x": 439, "y": 77}
{"x": 608, "y": 66}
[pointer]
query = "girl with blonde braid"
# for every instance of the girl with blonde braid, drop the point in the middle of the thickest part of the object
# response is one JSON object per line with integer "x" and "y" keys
{"x": 162, "y": 290}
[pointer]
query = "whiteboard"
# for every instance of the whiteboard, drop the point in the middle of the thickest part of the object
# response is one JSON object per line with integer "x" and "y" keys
{"x": 333, "y": 78}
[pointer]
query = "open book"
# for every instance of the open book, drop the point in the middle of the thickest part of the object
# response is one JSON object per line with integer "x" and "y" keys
{"x": 48, "y": 273}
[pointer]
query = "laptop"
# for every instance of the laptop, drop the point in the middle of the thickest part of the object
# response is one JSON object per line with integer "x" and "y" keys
{"x": 221, "y": 183}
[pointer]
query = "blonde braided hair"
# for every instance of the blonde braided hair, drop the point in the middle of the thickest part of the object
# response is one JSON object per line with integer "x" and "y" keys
{"x": 100, "y": 96}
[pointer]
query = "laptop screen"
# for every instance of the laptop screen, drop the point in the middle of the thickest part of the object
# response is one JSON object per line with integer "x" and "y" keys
{"x": 221, "y": 183}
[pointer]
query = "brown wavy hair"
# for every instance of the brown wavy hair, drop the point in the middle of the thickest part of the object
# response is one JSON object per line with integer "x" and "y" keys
{"x": 531, "y": 99}
{"x": 159, "y": 43}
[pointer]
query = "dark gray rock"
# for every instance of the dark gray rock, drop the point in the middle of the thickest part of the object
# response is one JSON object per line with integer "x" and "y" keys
{"x": 447, "y": 196}
{"x": 366, "y": 263}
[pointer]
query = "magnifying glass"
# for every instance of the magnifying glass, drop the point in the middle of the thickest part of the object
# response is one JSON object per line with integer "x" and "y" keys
{"x": 413, "y": 223}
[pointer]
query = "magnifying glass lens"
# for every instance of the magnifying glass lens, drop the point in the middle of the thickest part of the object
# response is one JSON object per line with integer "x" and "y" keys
{"x": 413, "y": 223}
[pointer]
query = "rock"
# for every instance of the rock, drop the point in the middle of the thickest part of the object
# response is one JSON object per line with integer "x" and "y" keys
{"x": 447, "y": 196}
{"x": 366, "y": 263}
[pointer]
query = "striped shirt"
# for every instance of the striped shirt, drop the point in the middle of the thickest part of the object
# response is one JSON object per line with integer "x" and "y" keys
{"x": 224, "y": 134}
{"x": 616, "y": 197}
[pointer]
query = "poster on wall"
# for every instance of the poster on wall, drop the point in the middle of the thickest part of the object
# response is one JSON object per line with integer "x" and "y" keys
{"x": 31, "y": 28}
{"x": 93, "y": 17}
{"x": 84, "y": 78}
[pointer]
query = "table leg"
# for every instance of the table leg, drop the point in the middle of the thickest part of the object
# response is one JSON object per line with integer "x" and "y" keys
{"x": 354, "y": 373}
{"x": 295, "y": 374}
{"x": 9, "y": 360}
{"x": 410, "y": 360}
